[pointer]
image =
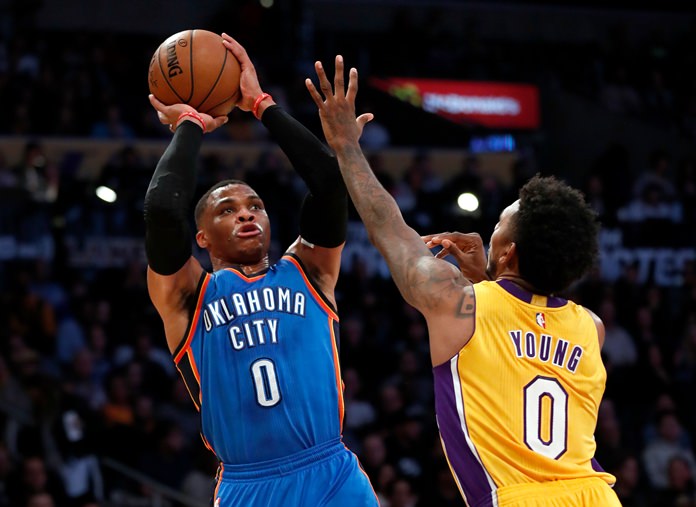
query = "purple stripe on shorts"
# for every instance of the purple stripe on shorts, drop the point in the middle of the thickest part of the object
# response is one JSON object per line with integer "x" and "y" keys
{"x": 526, "y": 296}
{"x": 464, "y": 463}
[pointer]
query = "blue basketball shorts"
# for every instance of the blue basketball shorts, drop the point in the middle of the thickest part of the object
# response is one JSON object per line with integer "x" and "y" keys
{"x": 327, "y": 475}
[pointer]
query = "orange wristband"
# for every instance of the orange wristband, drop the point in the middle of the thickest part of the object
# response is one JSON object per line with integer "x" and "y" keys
{"x": 257, "y": 103}
{"x": 194, "y": 115}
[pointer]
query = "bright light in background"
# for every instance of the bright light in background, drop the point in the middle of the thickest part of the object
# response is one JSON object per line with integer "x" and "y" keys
{"x": 468, "y": 202}
{"x": 106, "y": 194}
{"x": 266, "y": 3}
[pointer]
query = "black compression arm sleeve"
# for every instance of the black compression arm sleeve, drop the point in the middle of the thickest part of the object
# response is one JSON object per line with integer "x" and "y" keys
{"x": 168, "y": 200}
{"x": 324, "y": 217}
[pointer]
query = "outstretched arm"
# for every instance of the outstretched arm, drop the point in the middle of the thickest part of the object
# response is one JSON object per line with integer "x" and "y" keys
{"x": 324, "y": 214}
{"x": 433, "y": 286}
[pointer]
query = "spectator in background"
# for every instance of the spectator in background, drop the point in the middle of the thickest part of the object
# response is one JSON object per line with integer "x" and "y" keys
{"x": 158, "y": 366}
{"x": 70, "y": 337}
{"x": 112, "y": 126}
{"x": 178, "y": 408}
{"x": 663, "y": 403}
{"x": 444, "y": 490}
{"x": 629, "y": 488}
{"x": 619, "y": 346}
{"x": 667, "y": 445}
{"x": 401, "y": 494}
{"x": 169, "y": 461}
{"x": 596, "y": 197}
{"x": 659, "y": 100}
{"x": 359, "y": 412}
{"x": 36, "y": 175}
{"x": 680, "y": 490}
{"x": 609, "y": 436}
{"x": 652, "y": 203}
{"x": 658, "y": 175}
{"x": 8, "y": 179}
{"x": 618, "y": 94}
{"x": 33, "y": 478}
{"x": 373, "y": 454}
{"x": 197, "y": 482}
{"x": 73, "y": 430}
{"x": 81, "y": 381}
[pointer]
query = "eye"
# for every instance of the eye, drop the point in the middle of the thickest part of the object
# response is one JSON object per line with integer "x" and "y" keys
{"x": 255, "y": 207}
{"x": 227, "y": 210}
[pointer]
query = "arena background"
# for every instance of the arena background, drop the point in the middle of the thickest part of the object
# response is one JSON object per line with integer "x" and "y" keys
{"x": 91, "y": 410}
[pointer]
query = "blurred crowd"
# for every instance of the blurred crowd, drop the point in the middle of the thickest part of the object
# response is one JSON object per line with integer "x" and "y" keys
{"x": 85, "y": 376}
{"x": 87, "y": 386}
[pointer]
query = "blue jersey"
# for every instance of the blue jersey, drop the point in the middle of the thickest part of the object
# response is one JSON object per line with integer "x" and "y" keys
{"x": 260, "y": 360}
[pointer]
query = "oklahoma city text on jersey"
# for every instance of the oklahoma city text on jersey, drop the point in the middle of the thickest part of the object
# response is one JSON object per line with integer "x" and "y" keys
{"x": 261, "y": 331}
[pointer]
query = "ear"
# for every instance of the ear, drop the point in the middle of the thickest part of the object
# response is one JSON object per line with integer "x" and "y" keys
{"x": 509, "y": 256}
{"x": 202, "y": 239}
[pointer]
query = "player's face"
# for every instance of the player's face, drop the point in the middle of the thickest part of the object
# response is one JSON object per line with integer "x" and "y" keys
{"x": 500, "y": 240}
{"x": 236, "y": 226}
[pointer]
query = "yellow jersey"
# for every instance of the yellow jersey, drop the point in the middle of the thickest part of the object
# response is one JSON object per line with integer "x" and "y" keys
{"x": 518, "y": 404}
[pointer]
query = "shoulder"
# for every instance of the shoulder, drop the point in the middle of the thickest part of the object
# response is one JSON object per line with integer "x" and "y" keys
{"x": 598, "y": 324}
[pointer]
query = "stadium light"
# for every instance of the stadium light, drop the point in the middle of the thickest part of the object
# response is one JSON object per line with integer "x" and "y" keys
{"x": 468, "y": 202}
{"x": 106, "y": 194}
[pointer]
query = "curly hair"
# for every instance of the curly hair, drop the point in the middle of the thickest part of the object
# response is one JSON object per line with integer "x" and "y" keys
{"x": 203, "y": 201}
{"x": 555, "y": 231}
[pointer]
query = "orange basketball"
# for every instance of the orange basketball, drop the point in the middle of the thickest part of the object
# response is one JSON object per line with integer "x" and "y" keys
{"x": 193, "y": 67}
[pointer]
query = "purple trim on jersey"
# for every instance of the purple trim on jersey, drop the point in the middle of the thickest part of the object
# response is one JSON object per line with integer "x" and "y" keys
{"x": 465, "y": 464}
{"x": 596, "y": 466}
{"x": 526, "y": 296}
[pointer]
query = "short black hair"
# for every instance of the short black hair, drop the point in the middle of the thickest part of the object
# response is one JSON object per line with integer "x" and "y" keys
{"x": 555, "y": 231}
{"x": 200, "y": 205}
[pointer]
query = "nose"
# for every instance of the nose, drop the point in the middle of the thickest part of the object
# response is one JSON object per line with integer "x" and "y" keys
{"x": 245, "y": 215}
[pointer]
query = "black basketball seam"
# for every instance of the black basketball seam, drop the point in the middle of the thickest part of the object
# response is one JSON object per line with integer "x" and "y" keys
{"x": 222, "y": 68}
{"x": 165, "y": 76}
{"x": 191, "y": 70}
{"x": 222, "y": 102}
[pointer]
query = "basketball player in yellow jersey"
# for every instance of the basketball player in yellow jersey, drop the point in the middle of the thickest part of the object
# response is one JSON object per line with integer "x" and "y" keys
{"x": 518, "y": 372}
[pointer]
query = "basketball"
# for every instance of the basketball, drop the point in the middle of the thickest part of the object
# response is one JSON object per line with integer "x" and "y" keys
{"x": 193, "y": 67}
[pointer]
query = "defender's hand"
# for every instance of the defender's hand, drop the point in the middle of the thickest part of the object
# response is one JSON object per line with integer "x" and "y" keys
{"x": 337, "y": 109}
{"x": 466, "y": 248}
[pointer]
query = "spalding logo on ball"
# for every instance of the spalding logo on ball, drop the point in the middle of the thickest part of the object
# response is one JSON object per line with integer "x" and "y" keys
{"x": 193, "y": 67}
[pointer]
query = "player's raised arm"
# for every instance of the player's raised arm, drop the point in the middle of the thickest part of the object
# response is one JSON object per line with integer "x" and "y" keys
{"x": 433, "y": 286}
{"x": 173, "y": 274}
{"x": 324, "y": 214}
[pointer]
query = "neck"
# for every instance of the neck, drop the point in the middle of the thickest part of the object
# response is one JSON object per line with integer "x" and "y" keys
{"x": 517, "y": 280}
{"x": 247, "y": 269}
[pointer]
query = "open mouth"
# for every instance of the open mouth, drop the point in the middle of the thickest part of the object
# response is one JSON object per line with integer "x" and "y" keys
{"x": 248, "y": 231}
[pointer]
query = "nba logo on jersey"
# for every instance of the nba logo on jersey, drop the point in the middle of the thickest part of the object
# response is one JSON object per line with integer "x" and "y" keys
{"x": 541, "y": 320}
{"x": 217, "y": 502}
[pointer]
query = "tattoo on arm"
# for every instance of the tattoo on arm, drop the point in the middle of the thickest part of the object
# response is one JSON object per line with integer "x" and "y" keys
{"x": 376, "y": 206}
{"x": 431, "y": 284}
{"x": 467, "y": 307}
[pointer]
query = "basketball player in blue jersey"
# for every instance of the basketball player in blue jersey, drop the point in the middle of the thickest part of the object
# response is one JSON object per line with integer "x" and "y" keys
{"x": 256, "y": 342}
{"x": 518, "y": 370}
